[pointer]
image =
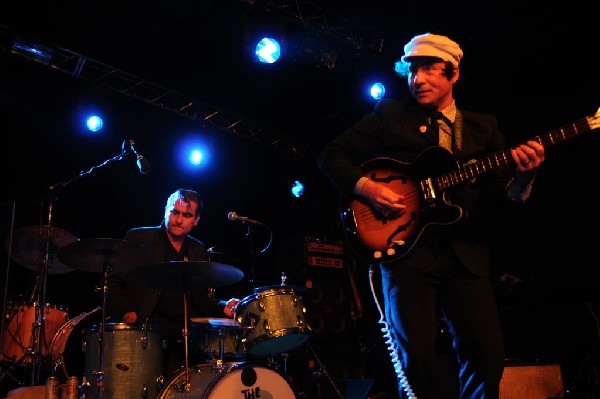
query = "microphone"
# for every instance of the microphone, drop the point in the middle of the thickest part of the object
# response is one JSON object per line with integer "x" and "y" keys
{"x": 234, "y": 217}
{"x": 142, "y": 162}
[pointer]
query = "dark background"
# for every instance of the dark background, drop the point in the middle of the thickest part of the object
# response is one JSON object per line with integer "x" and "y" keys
{"x": 529, "y": 63}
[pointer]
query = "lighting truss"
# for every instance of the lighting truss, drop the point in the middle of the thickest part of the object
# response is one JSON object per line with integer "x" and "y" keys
{"x": 82, "y": 67}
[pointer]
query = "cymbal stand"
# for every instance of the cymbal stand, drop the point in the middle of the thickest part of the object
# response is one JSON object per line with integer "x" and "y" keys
{"x": 106, "y": 269}
{"x": 9, "y": 256}
{"x": 39, "y": 325}
{"x": 185, "y": 386}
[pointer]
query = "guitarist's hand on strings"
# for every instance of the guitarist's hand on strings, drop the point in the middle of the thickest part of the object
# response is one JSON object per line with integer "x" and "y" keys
{"x": 383, "y": 199}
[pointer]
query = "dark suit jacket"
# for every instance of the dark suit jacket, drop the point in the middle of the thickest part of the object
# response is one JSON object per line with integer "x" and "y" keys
{"x": 401, "y": 129}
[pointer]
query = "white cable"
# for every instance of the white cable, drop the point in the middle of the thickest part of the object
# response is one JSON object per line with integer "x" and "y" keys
{"x": 400, "y": 375}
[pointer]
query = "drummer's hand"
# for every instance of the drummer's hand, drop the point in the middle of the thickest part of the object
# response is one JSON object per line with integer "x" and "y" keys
{"x": 230, "y": 307}
{"x": 130, "y": 317}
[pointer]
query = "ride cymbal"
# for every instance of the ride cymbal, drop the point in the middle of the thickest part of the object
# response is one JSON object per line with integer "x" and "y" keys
{"x": 186, "y": 275}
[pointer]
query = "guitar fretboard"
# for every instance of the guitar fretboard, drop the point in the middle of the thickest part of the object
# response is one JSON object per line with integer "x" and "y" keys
{"x": 476, "y": 168}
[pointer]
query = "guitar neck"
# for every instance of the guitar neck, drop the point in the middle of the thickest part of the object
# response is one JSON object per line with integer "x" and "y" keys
{"x": 493, "y": 161}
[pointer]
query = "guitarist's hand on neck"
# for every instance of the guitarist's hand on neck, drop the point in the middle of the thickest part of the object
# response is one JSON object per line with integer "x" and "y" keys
{"x": 528, "y": 156}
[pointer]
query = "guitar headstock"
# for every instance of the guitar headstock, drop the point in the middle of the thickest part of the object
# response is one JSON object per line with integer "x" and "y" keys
{"x": 594, "y": 120}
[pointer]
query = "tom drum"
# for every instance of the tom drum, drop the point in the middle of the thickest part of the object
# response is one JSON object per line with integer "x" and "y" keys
{"x": 132, "y": 361}
{"x": 18, "y": 335}
{"x": 276, "y": 320}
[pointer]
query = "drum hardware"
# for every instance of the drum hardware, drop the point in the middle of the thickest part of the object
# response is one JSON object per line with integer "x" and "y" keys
{"x": 183, "y": 276}
{"x": 41, "y": 258}
{"x": 106, "y": 256}
{"x": 35, "y": 247}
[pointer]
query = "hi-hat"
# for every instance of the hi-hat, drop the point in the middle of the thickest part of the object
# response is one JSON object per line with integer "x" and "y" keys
{"x": 97, "y": 255}
{"x": 29, "y": 247}
{"x": 186, "y": 275}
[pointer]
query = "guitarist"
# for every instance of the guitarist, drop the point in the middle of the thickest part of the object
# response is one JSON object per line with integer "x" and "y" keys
{"x": 447, "y": 271}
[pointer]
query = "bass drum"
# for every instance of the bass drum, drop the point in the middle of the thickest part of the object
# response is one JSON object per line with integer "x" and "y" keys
{"x": 230, "y": 380}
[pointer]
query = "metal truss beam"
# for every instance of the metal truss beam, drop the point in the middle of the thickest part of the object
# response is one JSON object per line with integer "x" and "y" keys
{"x": 82, "y": 67}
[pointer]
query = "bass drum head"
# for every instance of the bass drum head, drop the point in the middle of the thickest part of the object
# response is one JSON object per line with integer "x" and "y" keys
{"x": 230, "y": 380}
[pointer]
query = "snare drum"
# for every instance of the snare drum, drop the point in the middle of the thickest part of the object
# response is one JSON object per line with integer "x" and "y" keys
{"x": 206, "y": 335}
{"x": 230, "y": 380}
{"x": 18, "y": 336}
{"x": 276, "y": 321}
{"x": 132, "y": 361}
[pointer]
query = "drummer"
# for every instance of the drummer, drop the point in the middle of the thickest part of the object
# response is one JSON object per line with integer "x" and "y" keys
{"x": 170, "y": 241}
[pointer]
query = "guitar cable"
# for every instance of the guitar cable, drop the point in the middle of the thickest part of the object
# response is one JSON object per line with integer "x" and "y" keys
{"x": 391, "y": 346}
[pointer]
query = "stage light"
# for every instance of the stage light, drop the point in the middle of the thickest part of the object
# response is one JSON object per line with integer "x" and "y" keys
{"x": 297, "y": 189}
{"x": 268, "y": 50}
{"x": 193, "y": 153}
{"x": 196, "y": 157}
{"x": 377, "y": 91}
{"x": 94, "y": 123}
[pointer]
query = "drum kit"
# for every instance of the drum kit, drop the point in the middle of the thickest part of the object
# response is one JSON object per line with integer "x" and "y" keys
{"x": 125, "y": 360}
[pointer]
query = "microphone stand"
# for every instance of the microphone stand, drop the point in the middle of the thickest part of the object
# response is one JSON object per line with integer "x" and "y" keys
{"x": 252, "y": 278}
{"x": 40, "y": 317}
{"x": 253, "y": 254}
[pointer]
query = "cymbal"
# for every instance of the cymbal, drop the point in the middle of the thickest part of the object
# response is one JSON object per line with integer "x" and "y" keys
{"x": 29, "y": 247}
{"x": 97, "y": 254}
{"x": 186, "y": 275}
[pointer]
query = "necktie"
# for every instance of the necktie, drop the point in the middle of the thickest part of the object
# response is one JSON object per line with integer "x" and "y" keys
{"x": 446, "y": 131}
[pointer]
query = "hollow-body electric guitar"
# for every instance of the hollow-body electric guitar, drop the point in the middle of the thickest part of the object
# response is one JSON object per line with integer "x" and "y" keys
{"x": 423, "y": 185}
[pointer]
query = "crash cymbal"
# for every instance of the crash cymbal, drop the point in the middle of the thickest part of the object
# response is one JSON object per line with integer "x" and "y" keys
{"x": 29, "y": 247}
{"x": 95, "y": 254}
{"x": 186, "y": 275}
